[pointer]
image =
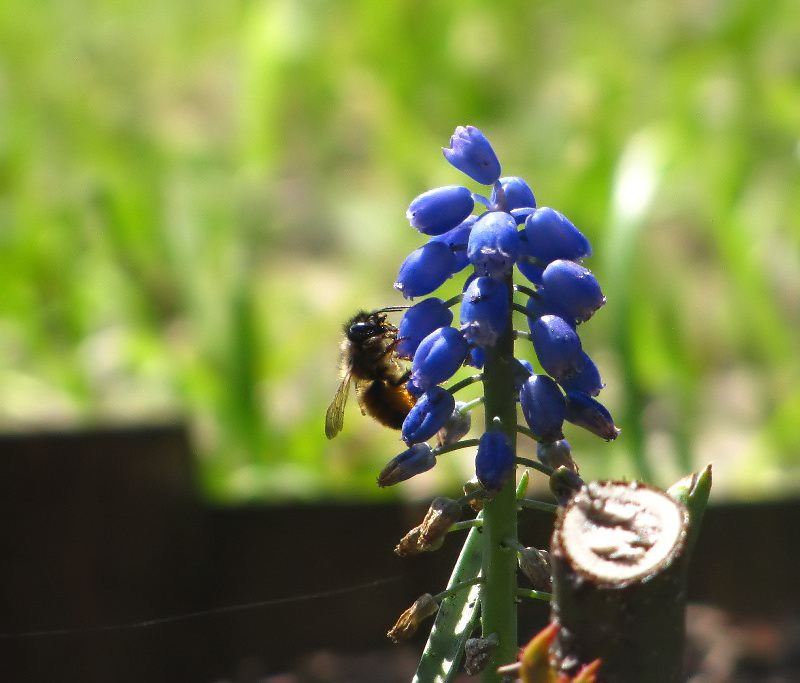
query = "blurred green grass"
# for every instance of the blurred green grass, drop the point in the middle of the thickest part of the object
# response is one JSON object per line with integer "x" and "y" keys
{"x": 193, "y": 197}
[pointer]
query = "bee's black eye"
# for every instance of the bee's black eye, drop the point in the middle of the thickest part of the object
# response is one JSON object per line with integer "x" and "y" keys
{"x": 361, "y": 330}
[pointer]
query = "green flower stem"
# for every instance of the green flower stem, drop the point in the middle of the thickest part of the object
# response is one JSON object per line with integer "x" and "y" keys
{"x": 514, "y": 544}
{"x": 466, "y": 443}
{"x": 456, "y": 619}
{"x": 499, "y": 592}
{"x": 453, "y": 301}
{"x": 452, "y": 590}
{"x": 538, "y": 505}
{"x": 519, "y": 308}
{"x": 544, "y": 469}
{"x": 527, "y": 432}
{"x": 522, "y": 334}
{"x": 534, "y": 595}
{"x": 522, "y": 289}
{"x": 465, "y": 382}
{"x": 465, "y": 524}
{"x": 470, "y": 405}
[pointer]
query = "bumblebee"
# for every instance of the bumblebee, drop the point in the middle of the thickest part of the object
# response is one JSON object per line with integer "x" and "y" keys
{"x": 368, "y": 359}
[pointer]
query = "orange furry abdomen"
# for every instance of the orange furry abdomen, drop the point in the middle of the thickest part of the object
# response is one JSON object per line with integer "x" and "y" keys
{"x": 388, "y": 404}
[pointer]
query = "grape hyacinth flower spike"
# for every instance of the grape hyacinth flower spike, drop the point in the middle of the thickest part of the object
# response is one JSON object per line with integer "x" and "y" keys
{"x": 544, "y": 374}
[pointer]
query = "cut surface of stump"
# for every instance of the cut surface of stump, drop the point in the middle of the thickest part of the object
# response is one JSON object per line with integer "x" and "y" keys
{"x": 619, "y": 582}
{"x": 618, "y": 533}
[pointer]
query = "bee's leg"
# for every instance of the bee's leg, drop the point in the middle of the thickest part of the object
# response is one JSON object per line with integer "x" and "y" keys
{"x": 390, "y": 349}
{"x": 402, "y": 379}
{"x": 361, "y": 389}
{"x": 395, "y": 342}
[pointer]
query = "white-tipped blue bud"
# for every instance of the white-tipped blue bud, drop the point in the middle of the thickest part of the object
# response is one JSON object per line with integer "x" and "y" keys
{"x": 471, "y": 153}
{"x": 485, "y": 311}
{"x": 425, "y": 270}
{"x": 430, "y": 413}
{"x": 436, "y": 211}
{"x": 543, "y": 407}
{"x": 417, "y": 459}
{"x": 493, "y": 245}
{"x": 495, "y": 461}
{"x": 438, "y": 356}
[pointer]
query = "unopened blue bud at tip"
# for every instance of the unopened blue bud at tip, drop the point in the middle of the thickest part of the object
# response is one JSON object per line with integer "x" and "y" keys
{"x": 471, "y": 153}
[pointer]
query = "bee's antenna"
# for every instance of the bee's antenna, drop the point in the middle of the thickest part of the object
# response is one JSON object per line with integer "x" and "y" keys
{"x": 391, "y": 309}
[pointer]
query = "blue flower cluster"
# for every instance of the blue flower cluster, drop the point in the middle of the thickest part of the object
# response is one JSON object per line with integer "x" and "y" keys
{"x": 509, "y": 230}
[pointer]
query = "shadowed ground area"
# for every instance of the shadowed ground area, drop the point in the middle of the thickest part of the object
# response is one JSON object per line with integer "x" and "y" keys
{"x": 114, "y": 569}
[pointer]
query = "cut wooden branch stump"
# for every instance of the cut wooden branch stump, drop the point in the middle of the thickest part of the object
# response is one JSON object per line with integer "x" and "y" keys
{"x": 619, "y": 584}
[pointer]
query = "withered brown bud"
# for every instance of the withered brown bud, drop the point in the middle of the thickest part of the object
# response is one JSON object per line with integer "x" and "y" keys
{"x": 475, "y": 489}
{"x": 410, "y": 544}
{"x": 565, "y": 483}
{"x": 406, "y": 626}
{"x": 535, "y": 564}
{"x": 456, "y": 427}
{"x": 413, "y": 544}
{"x": 556, "y": 454}
{"x": 429, "y": 535}
{"x": 478, "y": 652}
{"x": 441, "y": 515}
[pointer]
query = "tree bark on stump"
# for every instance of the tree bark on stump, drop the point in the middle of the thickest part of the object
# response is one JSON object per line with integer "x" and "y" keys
{"x": 619, "y": 583}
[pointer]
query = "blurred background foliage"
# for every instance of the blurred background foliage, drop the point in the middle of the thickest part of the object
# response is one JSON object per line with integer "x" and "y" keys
{"x": 194, "y": 196}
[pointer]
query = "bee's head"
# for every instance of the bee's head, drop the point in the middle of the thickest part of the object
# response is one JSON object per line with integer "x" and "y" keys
{"x": 365, "y": 325}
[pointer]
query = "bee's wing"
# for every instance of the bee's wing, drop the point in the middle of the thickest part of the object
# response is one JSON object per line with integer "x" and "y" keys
{"x": 334, "y": 418}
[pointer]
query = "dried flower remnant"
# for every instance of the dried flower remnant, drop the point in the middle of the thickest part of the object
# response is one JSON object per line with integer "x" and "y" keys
{"x": 535, "y": 564}
{"x": 407, "y": 624}
{"x": 441, "y": 515}
{"x": 478, "y": 652}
